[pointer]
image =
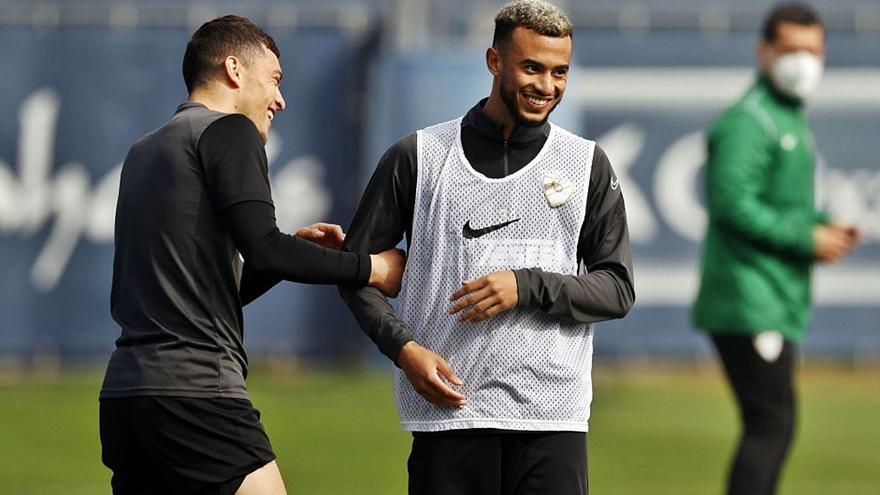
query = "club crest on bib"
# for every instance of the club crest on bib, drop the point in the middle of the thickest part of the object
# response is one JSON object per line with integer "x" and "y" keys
{"x": 557, "y": 191}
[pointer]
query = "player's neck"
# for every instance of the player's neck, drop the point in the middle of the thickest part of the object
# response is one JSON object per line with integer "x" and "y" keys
{"x": 217, "y": 99}
{"x": 497, "y": 111}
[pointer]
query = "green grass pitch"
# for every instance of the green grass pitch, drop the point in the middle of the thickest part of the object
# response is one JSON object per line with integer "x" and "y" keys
{"x": 654, "y": 432}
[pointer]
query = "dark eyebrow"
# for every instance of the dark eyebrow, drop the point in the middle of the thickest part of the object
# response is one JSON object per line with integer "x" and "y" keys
{"x": 529, "y": 61}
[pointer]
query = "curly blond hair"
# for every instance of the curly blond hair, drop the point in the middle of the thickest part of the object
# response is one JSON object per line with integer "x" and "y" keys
{"x": 539, "y": 16}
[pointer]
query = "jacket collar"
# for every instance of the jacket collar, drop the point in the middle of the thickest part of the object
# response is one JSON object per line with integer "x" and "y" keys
{"x": 766, "y": 84}
{"x": 488, "y": 129}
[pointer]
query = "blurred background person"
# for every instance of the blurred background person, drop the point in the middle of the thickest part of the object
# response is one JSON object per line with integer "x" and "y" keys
{"x": 764, "y": 236}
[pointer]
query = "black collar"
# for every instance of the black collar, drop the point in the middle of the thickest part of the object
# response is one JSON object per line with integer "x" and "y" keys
{"x": 187, "y": 105}
{"x": 488, "y": 129}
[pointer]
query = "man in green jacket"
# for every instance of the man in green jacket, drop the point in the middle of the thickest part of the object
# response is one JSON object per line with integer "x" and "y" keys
{"x": 764, "y": 236}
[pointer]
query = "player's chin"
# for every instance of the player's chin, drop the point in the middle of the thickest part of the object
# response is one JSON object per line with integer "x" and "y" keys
{"x": 532, "y": 118}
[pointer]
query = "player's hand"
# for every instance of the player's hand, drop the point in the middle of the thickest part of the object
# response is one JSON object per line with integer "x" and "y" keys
{"x": 426, "y": 370}
{"x": 486, "y": 296}
{"x": 387, "y": 271}
{"x": 328, "y": 235}
{"x": 855, "y": 234}
{"x": 833, "y": 242}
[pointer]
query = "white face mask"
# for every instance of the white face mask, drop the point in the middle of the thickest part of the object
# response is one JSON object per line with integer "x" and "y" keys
{"x": 797, "y": 74}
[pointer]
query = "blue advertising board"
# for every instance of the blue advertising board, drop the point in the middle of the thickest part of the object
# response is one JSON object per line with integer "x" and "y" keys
{"x": 76, "y": 98}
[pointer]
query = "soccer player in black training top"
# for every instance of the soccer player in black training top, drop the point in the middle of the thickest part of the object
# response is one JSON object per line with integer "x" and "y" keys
{"x": 196, "y": 239}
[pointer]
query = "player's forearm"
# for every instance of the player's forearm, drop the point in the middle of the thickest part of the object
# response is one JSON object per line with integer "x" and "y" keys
{"x": 383, "y": 216}
{"x": 376, "y": 318}
{"x": 607, "y": 290}
{"x": 789, "y": 232}
{"x": 738, "y": 169}
{"x": 271, "y": 252}
{"x": 298, "y": 260}
{"x": 591, "y": 297}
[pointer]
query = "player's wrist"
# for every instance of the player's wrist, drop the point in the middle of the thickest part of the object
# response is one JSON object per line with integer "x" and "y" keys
{"x": 378, "y": 270}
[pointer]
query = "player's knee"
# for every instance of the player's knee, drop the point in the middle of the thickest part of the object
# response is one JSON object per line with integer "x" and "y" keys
{"x": 775, "y": 427}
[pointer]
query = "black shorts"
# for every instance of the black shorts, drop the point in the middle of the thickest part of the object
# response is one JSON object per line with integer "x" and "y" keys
{"x": 180, "y": 445}
{"x": 498, "y": 462}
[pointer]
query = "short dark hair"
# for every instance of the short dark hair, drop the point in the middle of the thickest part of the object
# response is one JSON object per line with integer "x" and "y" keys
{"x": 536, "y": 15}
{"x": 796, "y": 13}
{"x": 218, "y": 39}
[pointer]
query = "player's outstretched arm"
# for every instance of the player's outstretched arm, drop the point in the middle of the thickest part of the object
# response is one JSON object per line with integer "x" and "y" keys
{"x": 233, "y": 160}
{"x": 269, "y": 251}
{"x": 387, "y": 267}
{"x": 254, "y": 284}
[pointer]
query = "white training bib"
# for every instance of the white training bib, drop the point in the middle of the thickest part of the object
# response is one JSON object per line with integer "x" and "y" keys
{"x": 523, "y": 369}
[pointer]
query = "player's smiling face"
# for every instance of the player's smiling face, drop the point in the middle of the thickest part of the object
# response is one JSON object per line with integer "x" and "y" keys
{"x": 532, "y": 74}
{"x": 260, "y": 91}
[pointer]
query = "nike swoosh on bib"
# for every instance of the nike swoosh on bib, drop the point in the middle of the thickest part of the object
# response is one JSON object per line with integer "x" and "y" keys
{"x": 468, "y": 233}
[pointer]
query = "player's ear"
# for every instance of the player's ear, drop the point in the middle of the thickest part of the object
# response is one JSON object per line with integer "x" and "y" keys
{"x": 493, "y": 60}
{"x": 232, "y": 66}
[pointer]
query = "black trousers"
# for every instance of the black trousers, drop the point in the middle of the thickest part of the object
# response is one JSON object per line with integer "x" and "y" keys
{"x": 765, "y": 395}
{"x": 498, "y": 462}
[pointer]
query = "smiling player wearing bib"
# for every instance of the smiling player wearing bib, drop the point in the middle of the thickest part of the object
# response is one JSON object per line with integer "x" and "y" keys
{"x": 517, "y": 244}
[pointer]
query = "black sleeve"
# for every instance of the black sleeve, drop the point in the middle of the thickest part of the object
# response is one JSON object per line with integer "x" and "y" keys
{"x": 606, "y": 290}
{"x": 383, "y": 217}
{"x": 234, "y": 162}
{"x": 236, "y": 174}
{"x": 254, "y": 284}
{"x": 271, "y": 256}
